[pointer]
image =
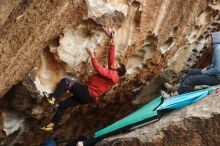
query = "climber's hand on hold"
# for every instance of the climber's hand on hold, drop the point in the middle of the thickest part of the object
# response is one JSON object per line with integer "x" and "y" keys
{"x": 90, "y": 52}
{"x": 112, "y": 37}
{"x": 80, "y": 143}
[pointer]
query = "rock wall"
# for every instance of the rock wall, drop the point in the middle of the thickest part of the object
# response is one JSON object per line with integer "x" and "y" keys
{"x": 43, "y": 41}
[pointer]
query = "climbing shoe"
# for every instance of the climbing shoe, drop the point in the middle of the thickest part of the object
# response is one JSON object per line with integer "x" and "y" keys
{"x": 174, "y": 93}
{"x": 55, "y": 106}
{"x": 164, "y": 94}
{"x": 170, "y": 87}
{"x": 49, "y": 127}
{"x": 50, "y": 99}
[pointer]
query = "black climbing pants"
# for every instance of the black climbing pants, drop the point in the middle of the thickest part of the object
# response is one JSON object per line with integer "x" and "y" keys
{"x": 80, "y": 96}
{"x": 62, "y": 87}
{"x": 195, "y": 77}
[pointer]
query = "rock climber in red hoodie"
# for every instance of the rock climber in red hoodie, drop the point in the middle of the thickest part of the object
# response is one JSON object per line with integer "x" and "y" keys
{"x": 99, "y": 83}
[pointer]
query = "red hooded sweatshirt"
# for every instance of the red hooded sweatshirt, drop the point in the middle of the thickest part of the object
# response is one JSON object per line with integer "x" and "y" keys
{"x": 105, "y": 77}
